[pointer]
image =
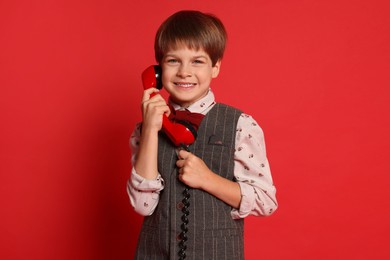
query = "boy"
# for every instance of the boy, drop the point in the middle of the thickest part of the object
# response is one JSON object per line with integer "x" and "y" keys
{"x": 225, "y": 169}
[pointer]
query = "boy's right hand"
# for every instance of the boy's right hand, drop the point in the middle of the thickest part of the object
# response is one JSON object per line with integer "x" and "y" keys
{"x": 153, "y": 108}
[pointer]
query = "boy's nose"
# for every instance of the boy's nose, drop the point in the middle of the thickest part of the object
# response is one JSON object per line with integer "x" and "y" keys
{"x": 184, "y": 71}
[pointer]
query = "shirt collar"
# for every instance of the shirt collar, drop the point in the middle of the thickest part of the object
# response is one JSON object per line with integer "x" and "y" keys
{"x": 199, "y": 106}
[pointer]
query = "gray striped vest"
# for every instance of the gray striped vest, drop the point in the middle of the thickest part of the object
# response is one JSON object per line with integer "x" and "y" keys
{"x": 212, "y": 234}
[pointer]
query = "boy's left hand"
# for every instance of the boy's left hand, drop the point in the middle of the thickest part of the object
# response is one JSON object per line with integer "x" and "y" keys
{"x": 192, "y": 170}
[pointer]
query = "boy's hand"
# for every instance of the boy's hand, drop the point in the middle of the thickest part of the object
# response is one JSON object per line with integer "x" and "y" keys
{"x": 153, "y": 108}
{"x": 192, "y": 170}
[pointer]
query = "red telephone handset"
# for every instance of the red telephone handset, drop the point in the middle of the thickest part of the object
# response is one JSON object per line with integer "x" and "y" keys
{"x": 179, "y": 133}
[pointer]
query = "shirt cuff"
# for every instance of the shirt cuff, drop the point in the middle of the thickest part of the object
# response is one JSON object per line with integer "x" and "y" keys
{"x": 247, "y": 202}
{"x": 140, "y": 183}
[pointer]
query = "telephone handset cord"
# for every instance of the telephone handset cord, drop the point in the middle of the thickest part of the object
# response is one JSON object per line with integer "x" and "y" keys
{"x": 184, "y": 228}
{"x": 184, "y": 218}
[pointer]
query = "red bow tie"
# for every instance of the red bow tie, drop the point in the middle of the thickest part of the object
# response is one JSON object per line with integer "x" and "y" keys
{"x": 184, "y": 115}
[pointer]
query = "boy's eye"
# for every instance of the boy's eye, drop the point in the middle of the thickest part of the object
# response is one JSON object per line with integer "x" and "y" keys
{"x": 198, "y": 62}
{"x": 172, "y": 61}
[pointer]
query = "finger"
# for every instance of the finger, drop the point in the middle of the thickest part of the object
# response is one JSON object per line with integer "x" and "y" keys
{"x": 156, "y": 102}
{"x": 165, "y": 107}
{"x": 180, "y": 163}
{"x": 181, "y": 171}
{"x": 180, "y": 177}
{"x": 148, "y": 93}
{"x": 167, "y": 111}
{"x": 183, "y": 154}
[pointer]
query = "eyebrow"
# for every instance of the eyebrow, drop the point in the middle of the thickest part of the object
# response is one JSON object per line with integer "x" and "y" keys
{"x": 195, "y": 57}
{"x": 200, "y": 56}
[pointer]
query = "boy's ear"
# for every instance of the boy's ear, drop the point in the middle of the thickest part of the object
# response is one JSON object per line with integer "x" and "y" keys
{"x": 216, "y": 69}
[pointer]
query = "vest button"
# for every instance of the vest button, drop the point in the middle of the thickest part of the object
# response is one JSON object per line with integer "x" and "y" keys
{"x": 180, "y": 205}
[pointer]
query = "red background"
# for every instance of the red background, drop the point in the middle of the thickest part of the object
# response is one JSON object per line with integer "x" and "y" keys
{"x": 315, "y": 75}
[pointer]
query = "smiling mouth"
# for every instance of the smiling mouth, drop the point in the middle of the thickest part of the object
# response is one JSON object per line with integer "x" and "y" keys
{"x": 184, "y": 84}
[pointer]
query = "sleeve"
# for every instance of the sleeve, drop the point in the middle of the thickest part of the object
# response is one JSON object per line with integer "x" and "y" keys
{"x": 143, "y": 193}
{"x": 252, "y": 171}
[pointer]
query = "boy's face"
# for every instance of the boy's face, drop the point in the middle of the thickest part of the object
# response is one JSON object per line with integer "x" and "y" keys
{"x": 187, "y": 74}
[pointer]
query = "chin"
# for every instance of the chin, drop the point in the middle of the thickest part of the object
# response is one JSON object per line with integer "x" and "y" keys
{"x": 182, "y": 101}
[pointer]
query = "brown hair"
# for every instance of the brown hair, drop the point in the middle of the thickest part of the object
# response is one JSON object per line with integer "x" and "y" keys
{"x": 195, "y": 30}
